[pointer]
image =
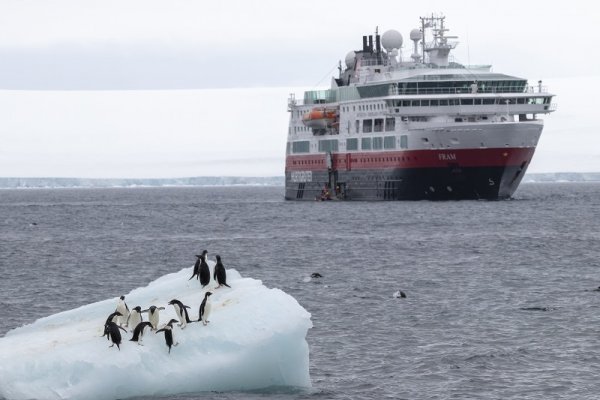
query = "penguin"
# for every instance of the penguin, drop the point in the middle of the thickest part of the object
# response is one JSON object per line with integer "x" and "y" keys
{"x": 400, "y": 294}
{"x": 135, "y": 317}
{"x": 204, "y": 270}
{"x": 110, "y": 318}
{"x": 181, "y": 312}
{"x": 196, "y": 267}
{"x": 220, "y": 274}
{"x": 115, "y": 335}
{"x": 316, "y": 275}
{"x": 205, "y": 307}
{"x": 168, "y": 330}
{"x": 138, "y": 332}
{"x": 124, "y": 310}
{"x": 153, "y": 315}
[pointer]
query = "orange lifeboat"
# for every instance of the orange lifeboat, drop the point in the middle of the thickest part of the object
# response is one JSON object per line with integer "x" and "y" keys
{"x": 320, "y": 118}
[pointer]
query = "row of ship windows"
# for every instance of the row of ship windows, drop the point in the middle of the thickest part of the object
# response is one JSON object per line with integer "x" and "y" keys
{"x": 368, "y": 143}
{"x": 376, "y": 125}
{"x": 356, "y": 160}
{"x": 389, "y": 124}
{"x": 365, "y": 107}
{"x": 469, "y": 102}
{"x": 444, "y": 102}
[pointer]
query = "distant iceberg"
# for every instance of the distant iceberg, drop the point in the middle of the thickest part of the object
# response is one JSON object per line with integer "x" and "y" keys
{"x": 199, "y": 181}
{"x": 256, "y": 339}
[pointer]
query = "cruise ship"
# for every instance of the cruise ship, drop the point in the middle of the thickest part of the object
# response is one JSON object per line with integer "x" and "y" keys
{"x": 413, "y": 128}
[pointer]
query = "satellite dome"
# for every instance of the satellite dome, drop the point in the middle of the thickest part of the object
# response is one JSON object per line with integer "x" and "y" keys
{"x": 415, "y": 34}
{"x": 391, "y": 40}
{"x": 350, "y": 59}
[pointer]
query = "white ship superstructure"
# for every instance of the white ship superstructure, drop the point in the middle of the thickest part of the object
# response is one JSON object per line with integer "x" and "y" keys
{"x": 424, "y": 127}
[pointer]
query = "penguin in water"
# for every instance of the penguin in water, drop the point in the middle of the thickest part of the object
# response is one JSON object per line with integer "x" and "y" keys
{"x": 204, "y": 270}
{"x": 138, "y": 332}
{"x": 110, "y": 318}
{"x": 196, "y": 267}
{"x": 124, "y": 310}
{"x": 220, "y": 274}
{"x": 168, "y": 330}
{"x": 204, "y": 311}
{"x": 135, "y": 317}
{"x": 181, "y": 312}
{"x": 154, "y": 315}
{"x": 114, "y": 334}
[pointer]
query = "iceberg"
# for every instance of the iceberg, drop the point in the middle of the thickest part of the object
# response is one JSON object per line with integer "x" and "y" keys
{"x": 256, "y": 339}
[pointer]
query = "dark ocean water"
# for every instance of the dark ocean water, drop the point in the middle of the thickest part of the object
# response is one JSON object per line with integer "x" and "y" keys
{"x": 499, "y": 294}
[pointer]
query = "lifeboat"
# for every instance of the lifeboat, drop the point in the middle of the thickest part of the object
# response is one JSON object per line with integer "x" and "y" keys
{"x": 320, "y": 118}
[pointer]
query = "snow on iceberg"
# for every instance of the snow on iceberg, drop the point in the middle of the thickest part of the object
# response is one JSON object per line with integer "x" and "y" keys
{"x": 256, "y": 339}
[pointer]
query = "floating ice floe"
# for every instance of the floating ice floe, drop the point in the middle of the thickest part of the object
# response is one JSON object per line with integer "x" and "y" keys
{"x": 256, "y": 338}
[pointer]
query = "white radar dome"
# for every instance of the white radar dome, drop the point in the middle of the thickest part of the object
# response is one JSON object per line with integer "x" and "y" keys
{"x": 415, "y": 34}
{"x": 350, "y": 59}
{"x": 391, "y": 40}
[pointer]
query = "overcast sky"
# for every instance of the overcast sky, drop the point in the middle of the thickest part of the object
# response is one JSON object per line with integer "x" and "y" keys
{"x": 246, "y": 46}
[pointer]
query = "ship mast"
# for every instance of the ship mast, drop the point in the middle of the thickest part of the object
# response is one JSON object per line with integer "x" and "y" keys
{"x": 439, "y": 48}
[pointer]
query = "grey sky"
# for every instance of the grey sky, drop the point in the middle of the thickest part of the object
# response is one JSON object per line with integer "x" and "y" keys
{"x": 70, "y": 44}
{"x": 152, "y": 44}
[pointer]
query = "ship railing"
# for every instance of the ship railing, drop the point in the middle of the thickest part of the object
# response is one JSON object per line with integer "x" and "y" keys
{"x": 400, "y": 91}
{"x": 373, "y": 62}
{"x": 294, "y": 102}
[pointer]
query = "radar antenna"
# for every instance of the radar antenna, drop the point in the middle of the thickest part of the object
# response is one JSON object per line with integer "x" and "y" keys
{"x": 438, "y": 49}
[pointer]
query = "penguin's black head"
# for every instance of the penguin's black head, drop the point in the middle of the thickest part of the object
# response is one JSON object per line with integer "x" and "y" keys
{"x": 171, "y": 322}
{"x": 204, "y": 252}
{"x": 122, "y": 297}
{"x": 207, "y": 294}
{"x": 118, "y": 314}
{"x": 218, "y": 257}
{"x": 152, "y": 309}
{"x": 138, "y": 309}
{"x": 173, "y": 302}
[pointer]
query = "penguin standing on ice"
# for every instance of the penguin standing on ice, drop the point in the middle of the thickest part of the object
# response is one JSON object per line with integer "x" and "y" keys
{"x": 110, "y": 318}
{"x": 114, "y": 334}
{"x": 181, "y": 312}
{"x": 196, "y": 267}
{"x": 204, "y": 270}
{"x": 204, "y": 311}
{"x": 135, "y": 317}
{"x": 154, "y": 315}
{"x": 138, "y": 332}
{"x": 168, "y": 330}
{"x": 124, "y": 310}
{"x": 220, "y": 274}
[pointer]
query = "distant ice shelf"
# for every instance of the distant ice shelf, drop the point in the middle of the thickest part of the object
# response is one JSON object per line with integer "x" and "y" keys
{"x": 204, "y": 181}
{"x": 256, "y": 338}
{"x": 52, "y": 183}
